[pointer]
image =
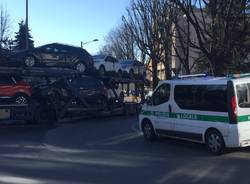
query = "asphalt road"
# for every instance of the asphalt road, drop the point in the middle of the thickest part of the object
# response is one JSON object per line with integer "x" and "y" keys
{"x": 111, "y": 150}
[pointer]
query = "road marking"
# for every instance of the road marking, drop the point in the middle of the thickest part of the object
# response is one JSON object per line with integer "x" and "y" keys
{"x": 135, "y": 128}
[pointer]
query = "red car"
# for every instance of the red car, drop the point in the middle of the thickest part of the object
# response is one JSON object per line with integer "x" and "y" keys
{"x": 14, "y": 89}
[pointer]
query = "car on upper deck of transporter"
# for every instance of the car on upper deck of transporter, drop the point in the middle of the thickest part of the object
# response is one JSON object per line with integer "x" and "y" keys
{"x": 133, "y": 68}
{"x": 53, "y": 55}
{"x": 107, "y": 65}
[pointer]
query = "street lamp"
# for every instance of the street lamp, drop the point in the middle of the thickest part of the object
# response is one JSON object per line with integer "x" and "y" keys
{"x": 27, "y": 27}
{"x": 84, "y": 43}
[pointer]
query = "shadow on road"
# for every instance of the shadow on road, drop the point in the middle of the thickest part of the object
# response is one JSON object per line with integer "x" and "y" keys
{"x": 110, "y": 150}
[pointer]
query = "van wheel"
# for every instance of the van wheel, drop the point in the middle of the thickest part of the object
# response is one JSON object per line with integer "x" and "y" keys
{"x": 148, "y": 131}
{"x": 215, "y": 142}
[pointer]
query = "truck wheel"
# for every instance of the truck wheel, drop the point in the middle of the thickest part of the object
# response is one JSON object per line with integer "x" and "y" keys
{"x": 215, "y": 142}
{"x": 45, "y": 116}
{"x": 148, "y": 131}
{"x": 131, "y": 74}
{"x": 120, "y": 73}
{"x": 104, "y": 103}
{"x": 102, "y": 71}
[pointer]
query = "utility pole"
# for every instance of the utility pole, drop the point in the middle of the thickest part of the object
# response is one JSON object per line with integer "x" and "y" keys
{"x": 27, "y": 27}
{"x": 188, "y": 35}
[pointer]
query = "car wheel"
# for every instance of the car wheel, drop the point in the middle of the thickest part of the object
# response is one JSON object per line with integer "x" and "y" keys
{"x": 80, "y": 67}
{"x": 102, "y": 71}
{"x": 29, "y": 61}
{"x": 21, "y": 99}
{"x": 121, "y": 96}
{"x": 131, "y": 74}
{"x": 148, "y": 131}
{"x": 215, "y": 142}
{"x": 105, "y": 104}
{"x": 120, "y": 73}
{"x": 55, "y": 97}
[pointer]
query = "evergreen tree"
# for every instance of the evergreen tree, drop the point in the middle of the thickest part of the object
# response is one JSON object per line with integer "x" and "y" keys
{"x": 20, "y": 38}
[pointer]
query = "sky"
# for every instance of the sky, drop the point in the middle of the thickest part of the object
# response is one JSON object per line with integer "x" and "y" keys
{"x": 68, "y": 21}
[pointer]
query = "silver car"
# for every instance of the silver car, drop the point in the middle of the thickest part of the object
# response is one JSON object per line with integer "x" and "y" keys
{"x": 133, "y": 68}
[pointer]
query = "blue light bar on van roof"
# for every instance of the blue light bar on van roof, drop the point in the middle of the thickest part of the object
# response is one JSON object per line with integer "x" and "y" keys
{"x": 191, "y": 76}
{"x": 237, "y": 76}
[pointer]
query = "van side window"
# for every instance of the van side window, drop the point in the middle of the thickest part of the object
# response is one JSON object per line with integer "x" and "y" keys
{"x": 161, "y": 95}
{"x": 201, "y": 97}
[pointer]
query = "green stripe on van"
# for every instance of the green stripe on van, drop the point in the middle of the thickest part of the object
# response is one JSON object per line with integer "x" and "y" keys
{"x": 223, "y": 119}
{"x": 243, "y": 118}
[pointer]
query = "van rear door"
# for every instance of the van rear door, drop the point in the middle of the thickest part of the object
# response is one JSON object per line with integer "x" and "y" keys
{"x": 243, "y": 101}
{"x": 242, "y": 88}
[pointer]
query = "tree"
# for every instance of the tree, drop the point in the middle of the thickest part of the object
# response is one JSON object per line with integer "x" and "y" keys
{"x": 149, "y": 21}
{"x": 4, "y": 27}
{"x": 4, "y": 32}
{"x": 222, "y": 29}
{"x": 20, "y": 38}
{"x": 120, "y": 43}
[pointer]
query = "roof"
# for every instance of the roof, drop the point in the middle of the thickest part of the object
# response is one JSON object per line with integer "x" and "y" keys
{"x": 205, "y": 79}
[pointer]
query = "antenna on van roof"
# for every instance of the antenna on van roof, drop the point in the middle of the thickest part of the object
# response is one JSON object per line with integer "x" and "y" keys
{"x": 192, "y": 76}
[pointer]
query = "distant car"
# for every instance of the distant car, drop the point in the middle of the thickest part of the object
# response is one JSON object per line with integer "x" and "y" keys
{"x": 53, "y": 55}
{"x": 133, "y": 68}
{"x": 14, "y": 89}
{"x": 107, "y": 64}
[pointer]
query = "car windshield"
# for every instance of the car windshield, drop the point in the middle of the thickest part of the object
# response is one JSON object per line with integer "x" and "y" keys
{"x": 98, "y": 57}
{"x": 127, "y": 62}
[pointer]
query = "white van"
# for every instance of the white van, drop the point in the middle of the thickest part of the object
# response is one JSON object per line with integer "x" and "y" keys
{"x": 210, "y": 110}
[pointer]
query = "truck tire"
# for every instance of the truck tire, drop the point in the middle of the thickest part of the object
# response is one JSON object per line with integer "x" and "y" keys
{"x": 102, "y": 71}
{"x": 45, "y": 115}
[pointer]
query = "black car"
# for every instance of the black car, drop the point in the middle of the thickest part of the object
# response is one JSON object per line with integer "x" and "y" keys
{"x": 54, "y": 55}
{"x": 88, "y": 89}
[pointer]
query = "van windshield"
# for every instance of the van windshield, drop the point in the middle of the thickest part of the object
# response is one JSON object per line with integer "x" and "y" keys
{"x": 243, "y": 95}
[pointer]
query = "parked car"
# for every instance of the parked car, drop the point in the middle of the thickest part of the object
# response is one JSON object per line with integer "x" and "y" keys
{"x": 53, "y": 55}
{"x": 14, "y": 89}
{"x": 133, "y": 68}
{"x": 107, "y": 64}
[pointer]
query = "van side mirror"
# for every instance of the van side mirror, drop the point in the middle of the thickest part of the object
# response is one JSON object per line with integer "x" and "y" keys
{"x": 149, "y": 100}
